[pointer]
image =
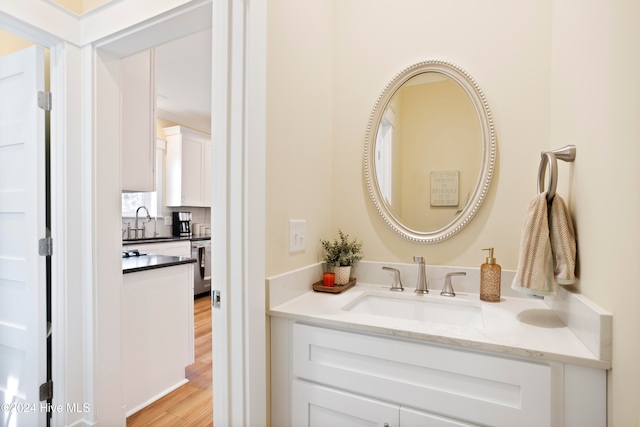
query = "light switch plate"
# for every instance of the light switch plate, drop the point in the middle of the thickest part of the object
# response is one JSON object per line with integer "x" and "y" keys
{"x": 168, "y": 220}
{"x": 297, "y": 235}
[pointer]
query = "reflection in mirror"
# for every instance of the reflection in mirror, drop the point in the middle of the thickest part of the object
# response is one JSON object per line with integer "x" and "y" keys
{"x": 435, "y": 153}
{"x": 432, "y": 151}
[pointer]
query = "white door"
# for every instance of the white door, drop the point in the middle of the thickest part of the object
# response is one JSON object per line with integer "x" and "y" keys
{"x": 22, "y": 223}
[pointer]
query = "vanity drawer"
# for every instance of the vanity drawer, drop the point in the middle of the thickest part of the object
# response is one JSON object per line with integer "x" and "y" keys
{"x": 471, "y": 386}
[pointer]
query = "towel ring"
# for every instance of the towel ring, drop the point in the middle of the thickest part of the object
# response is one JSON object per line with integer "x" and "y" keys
{"x": 549, "y": 158}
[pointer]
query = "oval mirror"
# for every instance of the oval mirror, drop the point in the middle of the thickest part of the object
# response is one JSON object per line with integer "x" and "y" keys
{"x": 429, "y": 151}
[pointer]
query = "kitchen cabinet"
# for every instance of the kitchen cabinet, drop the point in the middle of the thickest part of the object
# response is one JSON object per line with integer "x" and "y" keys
{"x": 157, "y": 333}
{"x": 188, "y": 179}
{"x": 137, "y": 121}
{"x": 317, "y": 369}
{"x": 157, "y": 326}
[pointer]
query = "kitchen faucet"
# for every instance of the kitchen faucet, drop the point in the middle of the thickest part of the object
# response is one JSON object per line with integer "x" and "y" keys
{"x": 421, "y": 286}
{"x": 136, "y": 228}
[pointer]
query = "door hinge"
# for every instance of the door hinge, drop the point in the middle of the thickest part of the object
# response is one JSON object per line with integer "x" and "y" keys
{"x": 45, "y": 246}
{"x": 44, "y": 100}
{"x": 46, "y": 391}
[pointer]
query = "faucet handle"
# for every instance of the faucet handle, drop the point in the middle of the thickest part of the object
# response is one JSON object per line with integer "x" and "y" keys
{"x": 447, "y": 290}
{"x": 397, "y": 281}
{"x": 418, "y": 259}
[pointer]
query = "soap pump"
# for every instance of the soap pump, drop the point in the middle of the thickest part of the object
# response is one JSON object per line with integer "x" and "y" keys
{"x": 490, "y": 273}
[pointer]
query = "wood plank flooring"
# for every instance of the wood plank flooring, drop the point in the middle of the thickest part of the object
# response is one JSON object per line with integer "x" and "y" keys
{"x": 192, "y": 403}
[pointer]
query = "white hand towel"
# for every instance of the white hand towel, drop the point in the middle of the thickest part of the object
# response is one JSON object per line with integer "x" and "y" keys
{"x": 207, "y": 263}
{"x": 563, "y": 242}
{"x": 535, "y": 264}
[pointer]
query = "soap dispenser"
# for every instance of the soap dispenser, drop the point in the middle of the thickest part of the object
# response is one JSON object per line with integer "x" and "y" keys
{"x": 490, "y": 273}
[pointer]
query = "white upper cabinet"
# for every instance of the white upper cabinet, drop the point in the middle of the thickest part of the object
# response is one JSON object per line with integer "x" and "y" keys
{"x": 188, "y": 167}
{"x": 137, "y": 121}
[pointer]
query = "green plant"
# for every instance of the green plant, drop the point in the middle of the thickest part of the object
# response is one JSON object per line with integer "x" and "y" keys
{"x": 341, "y": 253}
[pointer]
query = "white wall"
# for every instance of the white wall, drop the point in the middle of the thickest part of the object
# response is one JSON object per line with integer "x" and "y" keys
{"x": 596, "y": 105}
{"x": 299, "y": 172}
{"x": 371, "y": 41}
{"x": 374, "y": 40}
{"x": 553, "y": 72}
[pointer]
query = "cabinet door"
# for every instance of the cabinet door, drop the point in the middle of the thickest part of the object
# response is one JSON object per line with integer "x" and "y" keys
{"x": 477, "y": 387}
{"x": 192, "y": 152}
{"x": 157, "y": 334}
{"x": 413, "y": 418}
{"x": 188, "y": 167}
{"x": 317, "y": 406}
{"x": 138, "y": 121}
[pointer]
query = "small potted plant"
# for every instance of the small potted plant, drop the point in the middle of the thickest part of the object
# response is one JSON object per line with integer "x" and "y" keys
{"x": 340, "y": 255}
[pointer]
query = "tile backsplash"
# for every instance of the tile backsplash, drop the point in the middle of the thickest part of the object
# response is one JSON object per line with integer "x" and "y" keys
{"x": 156, "y": 227}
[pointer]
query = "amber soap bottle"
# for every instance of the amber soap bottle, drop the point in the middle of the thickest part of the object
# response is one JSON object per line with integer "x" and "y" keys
{"x": 490, "y": 273}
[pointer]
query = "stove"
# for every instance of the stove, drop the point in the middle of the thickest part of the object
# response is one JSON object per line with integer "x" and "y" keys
{"x": 131, "y": 253}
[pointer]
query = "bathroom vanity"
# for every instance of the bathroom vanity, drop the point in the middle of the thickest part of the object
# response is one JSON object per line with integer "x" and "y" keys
{"x": 343, "y": 360}
{"x": 376, "y": 356}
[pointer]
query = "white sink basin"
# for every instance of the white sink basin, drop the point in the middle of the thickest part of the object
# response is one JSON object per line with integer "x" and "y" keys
{"x": 419, "y": 308}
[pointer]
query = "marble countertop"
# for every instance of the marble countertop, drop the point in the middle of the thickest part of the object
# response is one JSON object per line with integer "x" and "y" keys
{"x": 521, "y": 327}
{"x": 163, "y": 239}
{"x": 148, "y": 262}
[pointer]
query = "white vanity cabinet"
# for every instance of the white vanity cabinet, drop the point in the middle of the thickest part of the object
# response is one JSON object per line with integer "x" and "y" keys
{"x": 188, "y": 179}
{"x": 353, "y": 377}
{"x": 318, "y": 406}
{"x": 138, "y": 129}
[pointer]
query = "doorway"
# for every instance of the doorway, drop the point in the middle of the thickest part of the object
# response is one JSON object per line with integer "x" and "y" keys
{"x": 88, "y": 268}
{"x": 183, "y": 98}
{"x": 107, "y": 214}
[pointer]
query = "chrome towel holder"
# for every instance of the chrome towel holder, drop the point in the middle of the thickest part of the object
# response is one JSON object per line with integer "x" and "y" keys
{"x": 566, "y": 154}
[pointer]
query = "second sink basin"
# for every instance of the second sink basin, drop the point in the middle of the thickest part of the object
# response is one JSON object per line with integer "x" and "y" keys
{"x": 419, "y": 308}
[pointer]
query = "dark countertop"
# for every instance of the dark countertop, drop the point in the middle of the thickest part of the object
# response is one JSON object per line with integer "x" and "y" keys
{"x": 163, "y": 239}
{"x": 149, "y": 262}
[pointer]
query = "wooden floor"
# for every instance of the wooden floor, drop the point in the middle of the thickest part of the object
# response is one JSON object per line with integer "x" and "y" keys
{"x": 191, "y": 404}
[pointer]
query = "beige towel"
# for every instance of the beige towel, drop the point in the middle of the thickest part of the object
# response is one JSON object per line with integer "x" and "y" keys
{"x": 563, "y": 242}
{"x": 547, "y": 248}
{"x": 535, "y": 264}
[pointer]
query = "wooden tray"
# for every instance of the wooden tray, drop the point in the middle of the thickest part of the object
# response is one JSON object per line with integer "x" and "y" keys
{"x": 336, "y": 289}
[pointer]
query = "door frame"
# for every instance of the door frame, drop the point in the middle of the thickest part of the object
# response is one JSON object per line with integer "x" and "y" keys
{"x": 238, "y": 148}
{"x": 238, "y": 165}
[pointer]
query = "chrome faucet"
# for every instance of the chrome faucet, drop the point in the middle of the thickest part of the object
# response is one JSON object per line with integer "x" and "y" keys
{"x": 136, "y": 228}
{"x": 397, "y": 281}
{"x": 447, "y": 290}
{"x": 421, "y": 286}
